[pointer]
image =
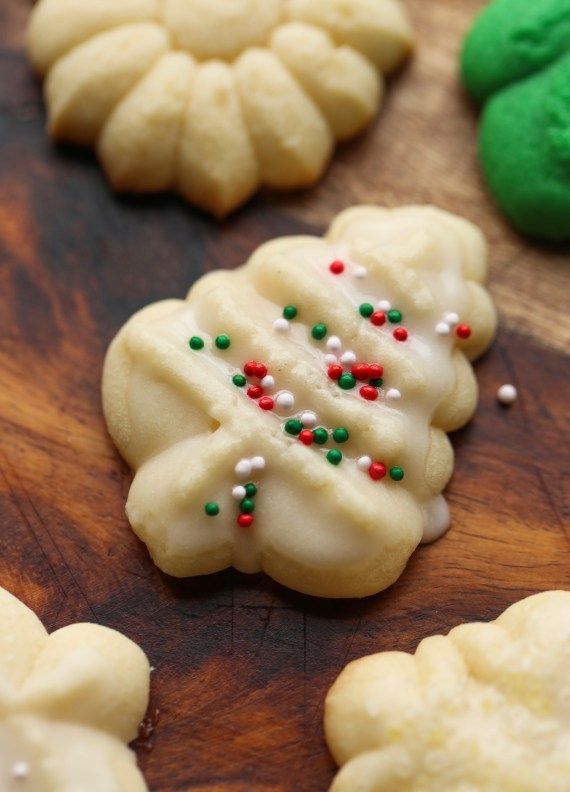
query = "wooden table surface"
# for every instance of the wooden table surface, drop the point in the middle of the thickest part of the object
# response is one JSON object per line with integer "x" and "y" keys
{"x": 242, "y": 664}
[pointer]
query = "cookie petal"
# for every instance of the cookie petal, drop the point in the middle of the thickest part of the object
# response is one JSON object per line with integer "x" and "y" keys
{"x": 217, "y": 164}
{"x": 22, "y": 637}
{"x": 378, "y": 29}
{"x": 292, "y": 139}
{"x": 344, "y": 84}
{"x": 139, "y": 143}
{"x": 57, "y": 26}
{"x": 84, "y": 86}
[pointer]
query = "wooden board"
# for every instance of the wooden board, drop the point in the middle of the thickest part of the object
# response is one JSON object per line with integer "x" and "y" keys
{"x": 242, "y": 664}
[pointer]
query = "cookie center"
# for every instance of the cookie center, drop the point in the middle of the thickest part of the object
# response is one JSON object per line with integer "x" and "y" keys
{"x": 221, "y": 28}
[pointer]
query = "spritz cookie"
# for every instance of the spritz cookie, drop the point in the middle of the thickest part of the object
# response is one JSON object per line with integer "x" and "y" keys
{"x": 69, "y": 704}
{"x": 214, "y": 98}
{"x": 291, "y": 416}
{"x": 485, "y": 708}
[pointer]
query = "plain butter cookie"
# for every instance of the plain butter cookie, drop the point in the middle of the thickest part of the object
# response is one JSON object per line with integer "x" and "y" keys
{"x": 69, "y": 703}
{"x": 214, "y": 98}
{"x": 485, "y": 708}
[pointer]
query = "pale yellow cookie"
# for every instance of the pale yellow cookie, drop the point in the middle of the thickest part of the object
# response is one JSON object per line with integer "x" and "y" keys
{"x": 214, "y": 98}
{"x": 69, "y": 703}
{"x": 338, "y": 517}
{"x": 483, "y": 709}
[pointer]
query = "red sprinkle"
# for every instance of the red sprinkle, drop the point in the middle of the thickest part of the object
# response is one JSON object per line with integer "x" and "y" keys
{"x": 375, "y": 371}
{"x": 361, "y": 371}
{"x": 337, "y": 268}
{"x": 378, "y": 318}
{"x": 260, "y": 370}
{"x": 245, "y": 520}
{"x": 266, "y": 403}
{"x": 463, "y": 331}
{"x": 249, "y": 368}
{"x": 400, "y": 334}
{"x": 255, "y": 391}
{"x": 377, "y": 471}
{"x": 335, "y": 371}
{"x": 306, "y": 437}
{"x": 369, "y": 392}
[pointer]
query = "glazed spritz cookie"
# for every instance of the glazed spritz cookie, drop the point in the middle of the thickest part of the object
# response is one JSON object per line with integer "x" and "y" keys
{"x": 483, "y": 709}
{"x": 69, "y": 703}
{"x": 516, "y": 60}
{"x": 291, "y": 416}
{"x": 214, "y": 98}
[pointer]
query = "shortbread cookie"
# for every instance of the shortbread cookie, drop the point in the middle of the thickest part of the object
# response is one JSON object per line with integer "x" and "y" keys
{"x": 291, "y": 416}
{"x": 516, "y": 59}
{"x": 214, "y": 98}
{"x": 69, "y": 703}
{"x": 483, "y": 709}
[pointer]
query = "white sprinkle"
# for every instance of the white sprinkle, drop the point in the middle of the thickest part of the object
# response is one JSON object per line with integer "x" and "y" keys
{"x": 239, "y": 492}
{"x": 363, "y": 462}
{"x": 20, "y": 770}
{"x": 348, "y": 357}
{"x": 442, "y": 328}
{"x": 281, "y": 325}
{"x": 285, "y": 400}
{"x": 330, "y": 359}
{"x": 152, "y": 669}
{"x": 507, "y": 394}
{"x": 309, "y": 419}
{"x": 394, "y": 394}
{"x": 334, "y": 344}
{"x": 451, "y": 318}
{"x": 243, "y": 468}
{"x": 360, "y": 272}
{"x": 384, "y": 305}
{"x": 268, "y": 382}
{"x": 258, "y": 463}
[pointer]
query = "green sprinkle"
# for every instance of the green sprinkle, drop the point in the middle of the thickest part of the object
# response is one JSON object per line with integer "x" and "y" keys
{"x": 250, "y": 490}
{"x": 247, "y": 506}
{"x": 334, "y": 456}
{"x": 319, "y": 331}
{"x": 320, "y": 435}
{"x": 294, "y": 427}
{"x": 223, "y": 341}
{"x": 366, "y": 310}
{"x": 396, "y": 473}
{"x": 290, "y": 312}
{"x": 395, "y": 317}
{"x": 376, "y": 383}
{"x": 340, "y": 435}
{"x": 347, "y": 381}
{"x": 196, "y": 343}
{"x": 212, "y": 509}
{"x": 239, "y": 380}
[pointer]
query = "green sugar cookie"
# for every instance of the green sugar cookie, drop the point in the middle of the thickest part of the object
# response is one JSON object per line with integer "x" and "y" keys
{"x": 516, "y": 60}
{"x": 512, "y": 39}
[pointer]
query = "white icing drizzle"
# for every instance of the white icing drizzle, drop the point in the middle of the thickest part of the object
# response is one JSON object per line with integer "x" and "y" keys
{"x": 437, "y": 519}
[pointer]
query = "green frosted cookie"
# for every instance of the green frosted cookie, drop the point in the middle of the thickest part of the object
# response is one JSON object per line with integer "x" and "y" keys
{"x": 516, "y": 59}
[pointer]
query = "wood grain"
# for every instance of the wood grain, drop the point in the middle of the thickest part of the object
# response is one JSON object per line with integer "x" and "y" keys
{"x": 243, "y": 665}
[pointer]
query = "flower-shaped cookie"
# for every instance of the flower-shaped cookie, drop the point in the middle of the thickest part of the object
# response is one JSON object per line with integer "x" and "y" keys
{"x": 516, "y": 59}
{"x": 69, "y": 702}
{"x": 214, "y": 98}
{"x": 291, "y": 416}
{"x": 484, "y": 709}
